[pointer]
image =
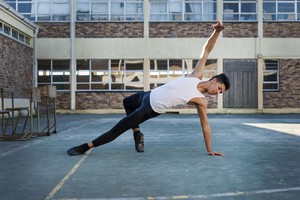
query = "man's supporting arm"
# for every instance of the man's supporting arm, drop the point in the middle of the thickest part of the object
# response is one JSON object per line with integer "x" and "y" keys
{"x": 202, "y": 112}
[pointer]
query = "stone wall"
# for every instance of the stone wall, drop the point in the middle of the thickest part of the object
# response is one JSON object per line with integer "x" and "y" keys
{"x": 53, "y": 30}
{"x": 281, "y": 30}
{"x": 179, "y": 29}
{"x": 110, "y": 30}
{"x": 288, "y": 95}
{"x": 16, "y": 66}
{"x": 240, "y": 29}
{"x": 106, "y": 100}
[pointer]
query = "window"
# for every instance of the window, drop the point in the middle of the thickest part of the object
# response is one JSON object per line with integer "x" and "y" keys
{"x": 60, "y": 10}
{"x": 183, "y": 10}
{"x": 106, "y": 74}
{"x": 42, "y": 10}
{"x": 7, "y": 30}
{"x": 281, "y": 10}
{"x": 114, "y": 10}
{"x": 54, "y": 72}
{"x": 14, "y": 33}
{"x": 200, "y": 10}
{"x": 239, "y": 10}
{"x": 127, "y": 74}
{"x": 163, "y": 71}
{"x": 27, "y": 40}
{"x": 92, "y": 75}
{"x": 271, "y": 75}
{"x": 22, "y": 37}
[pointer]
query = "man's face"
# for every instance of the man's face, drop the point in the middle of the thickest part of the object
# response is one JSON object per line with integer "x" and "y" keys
{"x": 215, "y": 87}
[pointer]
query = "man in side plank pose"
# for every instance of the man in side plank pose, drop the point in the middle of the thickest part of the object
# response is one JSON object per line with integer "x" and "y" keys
{"x": 181, "y": 91}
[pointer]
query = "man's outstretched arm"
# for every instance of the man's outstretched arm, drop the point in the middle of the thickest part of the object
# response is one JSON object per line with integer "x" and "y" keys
{"x": 207, "y": 48}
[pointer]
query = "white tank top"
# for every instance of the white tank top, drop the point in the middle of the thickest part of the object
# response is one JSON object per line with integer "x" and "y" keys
{"x": 177, "y": 92}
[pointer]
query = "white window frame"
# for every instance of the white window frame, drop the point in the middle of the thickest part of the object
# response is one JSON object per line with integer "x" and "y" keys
{"x": 176, "y": 10}
{"x": 118, "y": 76}
{"x": 266, "y": 71}
{"x": 231, "y": 15}
{"x": 24, "y": 39}
{"x": 51, "y": 72}
{"x": 43, "y": 10}
{"x": 123, "y": 15}
{"x": 275, "y": 16}
{"x": 163, "y": 76}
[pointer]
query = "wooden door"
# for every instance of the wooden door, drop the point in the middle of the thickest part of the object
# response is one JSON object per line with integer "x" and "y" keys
{"x": 243, "y": 78}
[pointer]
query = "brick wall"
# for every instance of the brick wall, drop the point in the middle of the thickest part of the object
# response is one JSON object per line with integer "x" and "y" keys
{"x": 110, "y": 30}
{"x": 179, "y": 29}
{"x": 288, "y": 95}
{"x": 63, "y": 100}
{"x": 240, "y": 29}
{"x": 106, "y": 100}
{"x": 16, "y": 66}
{"x": 281, "y": 30}
{"x": 53, "y": 30}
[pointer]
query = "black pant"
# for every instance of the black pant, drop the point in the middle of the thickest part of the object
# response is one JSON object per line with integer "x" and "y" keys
{"x": 138, "y": 110}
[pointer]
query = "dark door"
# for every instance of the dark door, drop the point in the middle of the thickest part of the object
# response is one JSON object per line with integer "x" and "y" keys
{"x": 243, "y": 79}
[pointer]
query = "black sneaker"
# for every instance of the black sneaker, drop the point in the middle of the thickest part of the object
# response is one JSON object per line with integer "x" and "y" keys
{"x": 139, "y": 142}
{"x": 81, "y": 149}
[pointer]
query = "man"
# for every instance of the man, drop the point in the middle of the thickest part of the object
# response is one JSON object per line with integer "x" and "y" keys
{"x": 185, "y": 90}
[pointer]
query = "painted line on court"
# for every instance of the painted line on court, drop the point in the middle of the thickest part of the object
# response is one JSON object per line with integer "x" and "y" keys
{"x": 64, "y": 180}
{"x": 201, "y": 196}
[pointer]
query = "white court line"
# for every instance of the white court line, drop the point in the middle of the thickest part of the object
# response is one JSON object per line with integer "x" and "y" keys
{"x": 72, "y": 171}
{"x": 202, "y": 196}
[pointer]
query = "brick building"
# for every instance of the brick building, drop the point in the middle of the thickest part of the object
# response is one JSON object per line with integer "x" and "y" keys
{"x": 98, "y": 52}
{"x": 16, "y": 54}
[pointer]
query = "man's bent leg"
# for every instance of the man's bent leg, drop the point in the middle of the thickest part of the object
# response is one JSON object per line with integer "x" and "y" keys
{"x": 132, "y": 103}
{"x": 142, "y": 114}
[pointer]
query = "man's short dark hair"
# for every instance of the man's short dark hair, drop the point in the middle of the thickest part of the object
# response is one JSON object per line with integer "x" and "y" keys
{"x": 222, "y": 78}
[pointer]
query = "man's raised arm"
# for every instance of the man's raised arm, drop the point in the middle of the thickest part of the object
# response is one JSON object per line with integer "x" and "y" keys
{"x": 198, "y": 72}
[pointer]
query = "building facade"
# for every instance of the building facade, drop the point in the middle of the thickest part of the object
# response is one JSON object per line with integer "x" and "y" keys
{"x": 16, "y": 54}
{"x": 96, "y": 52}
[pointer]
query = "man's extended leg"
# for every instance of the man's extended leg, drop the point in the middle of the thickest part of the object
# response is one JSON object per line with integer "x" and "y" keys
{"x": 132, "y": 103}
{"x": 143, "y": 113}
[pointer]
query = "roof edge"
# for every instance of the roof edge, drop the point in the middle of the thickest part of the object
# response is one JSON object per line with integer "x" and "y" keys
{"x": 17, "y": 15}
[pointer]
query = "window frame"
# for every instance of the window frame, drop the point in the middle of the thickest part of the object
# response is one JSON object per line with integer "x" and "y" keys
{"x": 36, "y": 16}
{"x": 275, "y": 16}
{"x": 123, "y": 16}
{"x": 117, "y": 75}
{"x": 265, "y": 71}
{"x": 187, "y": 66}
{"x": 50, "y": 72}
{"x": 173, "y": 13}
{"x": 231, "y": 15}
{"x": 24, "y": 39}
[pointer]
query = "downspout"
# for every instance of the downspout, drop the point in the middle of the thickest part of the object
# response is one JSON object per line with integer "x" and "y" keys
{"x": 72, "y": 67}
{"x": 35, "y": 67}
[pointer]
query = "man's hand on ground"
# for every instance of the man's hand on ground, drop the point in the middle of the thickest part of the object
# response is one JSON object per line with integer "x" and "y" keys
{"x": 218, "y": 26}
{"x": 213, "y": 153}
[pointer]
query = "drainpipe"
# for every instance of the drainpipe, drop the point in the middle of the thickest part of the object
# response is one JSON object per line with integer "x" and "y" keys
{"x": 259, "y": 55}
{"x": 35, "y": 67}
{"x": 72, "y": 67}
{"x": 146, "y": 43}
